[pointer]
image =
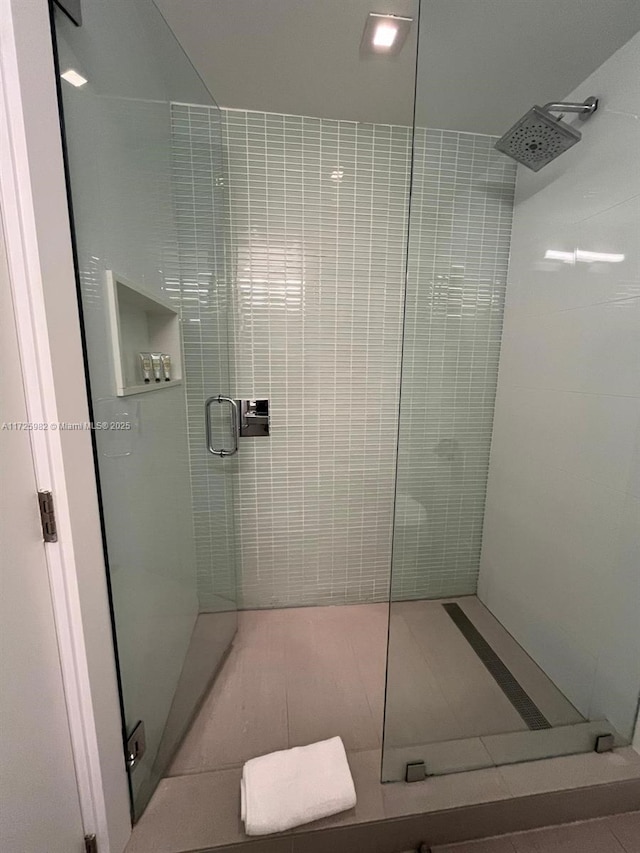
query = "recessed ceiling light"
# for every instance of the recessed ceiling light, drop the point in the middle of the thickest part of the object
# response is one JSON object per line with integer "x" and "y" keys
{"x": 384, "y": 34}
{"x": 73, "y": 77}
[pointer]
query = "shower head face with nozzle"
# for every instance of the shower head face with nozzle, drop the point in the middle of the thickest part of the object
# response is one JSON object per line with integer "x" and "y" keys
{"x": 537, "y": 139}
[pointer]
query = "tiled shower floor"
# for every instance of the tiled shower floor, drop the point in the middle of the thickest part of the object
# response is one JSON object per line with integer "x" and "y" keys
{"x": 293, "y": 677}
{"x": 301, "y": 675}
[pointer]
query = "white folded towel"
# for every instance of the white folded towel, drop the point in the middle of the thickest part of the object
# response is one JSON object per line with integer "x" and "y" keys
{"x": 295, "y": 786}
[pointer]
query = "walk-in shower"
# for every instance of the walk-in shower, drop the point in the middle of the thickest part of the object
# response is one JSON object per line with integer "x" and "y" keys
{"x": 419, "y": 463}
{"x": 539, "y": 137}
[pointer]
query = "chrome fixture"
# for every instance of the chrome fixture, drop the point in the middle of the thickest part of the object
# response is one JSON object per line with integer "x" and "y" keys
{"x": 254, "y": 418}
{"x": 415, "y": 771}
{"x": 539, "y": 137}
{"x": 249, "y": 419}
{"x": 605, "y": 743}
{"x": 135, "y": 746}
{"x": 235, "y": 425}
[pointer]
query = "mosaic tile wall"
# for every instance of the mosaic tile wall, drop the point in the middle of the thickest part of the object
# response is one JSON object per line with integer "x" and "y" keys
{"x": 462, "y": 205}
{"x": 318, "y": 224}
{"x": 315, "y": 227}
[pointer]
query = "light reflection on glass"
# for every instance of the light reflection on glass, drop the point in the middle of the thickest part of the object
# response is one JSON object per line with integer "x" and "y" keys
{"x": 584, "y": 257}
{"x": 270, "y": 275}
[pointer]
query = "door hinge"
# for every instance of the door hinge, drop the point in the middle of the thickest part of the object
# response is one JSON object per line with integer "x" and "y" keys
{"x": 47, "y": 517}
{"x": 90, "y": 844}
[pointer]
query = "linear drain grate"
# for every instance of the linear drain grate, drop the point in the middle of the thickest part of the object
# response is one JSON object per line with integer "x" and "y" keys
{"x": 512, "y": 689}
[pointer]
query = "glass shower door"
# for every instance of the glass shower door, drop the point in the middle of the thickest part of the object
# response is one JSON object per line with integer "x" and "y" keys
{"x": 514, "y": 595}
{"x": 155, "y": 302}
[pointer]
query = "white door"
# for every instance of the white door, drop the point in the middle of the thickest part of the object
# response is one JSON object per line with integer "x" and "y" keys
{"x": 39, "y": 805}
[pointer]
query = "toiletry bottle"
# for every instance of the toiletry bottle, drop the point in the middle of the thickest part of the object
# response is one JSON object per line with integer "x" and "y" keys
{"x": 165, "y": 358}
{"x": 157, "y": 366}
{"x": 145, "y": 366}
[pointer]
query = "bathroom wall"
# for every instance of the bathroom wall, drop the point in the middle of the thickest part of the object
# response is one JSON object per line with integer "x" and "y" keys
{"x": 562, "y": 527}
{"x": 316, "y": 230}
{"x": 118, "y": 134}
{"x": 460, "y": 228}
{"x": 318, "y": 224}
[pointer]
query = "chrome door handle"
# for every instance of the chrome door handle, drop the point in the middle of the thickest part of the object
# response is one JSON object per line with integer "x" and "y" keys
{"x": 235, "y": 425}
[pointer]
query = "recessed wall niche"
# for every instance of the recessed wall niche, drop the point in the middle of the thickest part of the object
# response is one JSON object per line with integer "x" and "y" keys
{"x": 140, "y": 322}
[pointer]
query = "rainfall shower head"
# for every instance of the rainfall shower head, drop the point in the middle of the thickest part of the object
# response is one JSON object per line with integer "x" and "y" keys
{"x": 539, "y": 137}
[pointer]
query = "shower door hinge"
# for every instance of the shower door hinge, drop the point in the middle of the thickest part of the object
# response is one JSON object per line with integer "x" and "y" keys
{"x": 47, "y": 516}
{"x": 415, "y": 771}
{"x": 135, "y": 746}
{"x": 605, "y": 743}
{"x": 90, "y": 844}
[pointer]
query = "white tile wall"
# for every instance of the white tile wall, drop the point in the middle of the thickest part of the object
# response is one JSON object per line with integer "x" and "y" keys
{"x": 561, "y": 553}
{"x": 316, "y": 232}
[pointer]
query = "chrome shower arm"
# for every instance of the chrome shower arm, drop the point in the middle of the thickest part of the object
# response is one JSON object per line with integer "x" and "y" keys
{"x": 585, "y": 109}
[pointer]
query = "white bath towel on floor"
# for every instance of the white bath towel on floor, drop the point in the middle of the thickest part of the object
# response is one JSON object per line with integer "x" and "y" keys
{"x": 295, "y": 786}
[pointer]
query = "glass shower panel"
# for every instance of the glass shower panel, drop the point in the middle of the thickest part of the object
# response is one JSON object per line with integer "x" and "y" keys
{"x": 514, "y": 587}
{"x": 153, "y": 281}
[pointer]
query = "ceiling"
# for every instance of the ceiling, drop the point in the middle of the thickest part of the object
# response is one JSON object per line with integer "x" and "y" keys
{"x": 296, "y": 56}
{"x": 482, "y": 63}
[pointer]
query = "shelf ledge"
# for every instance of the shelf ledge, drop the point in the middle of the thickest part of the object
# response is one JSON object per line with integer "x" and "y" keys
{"x": 149, "y": 386}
